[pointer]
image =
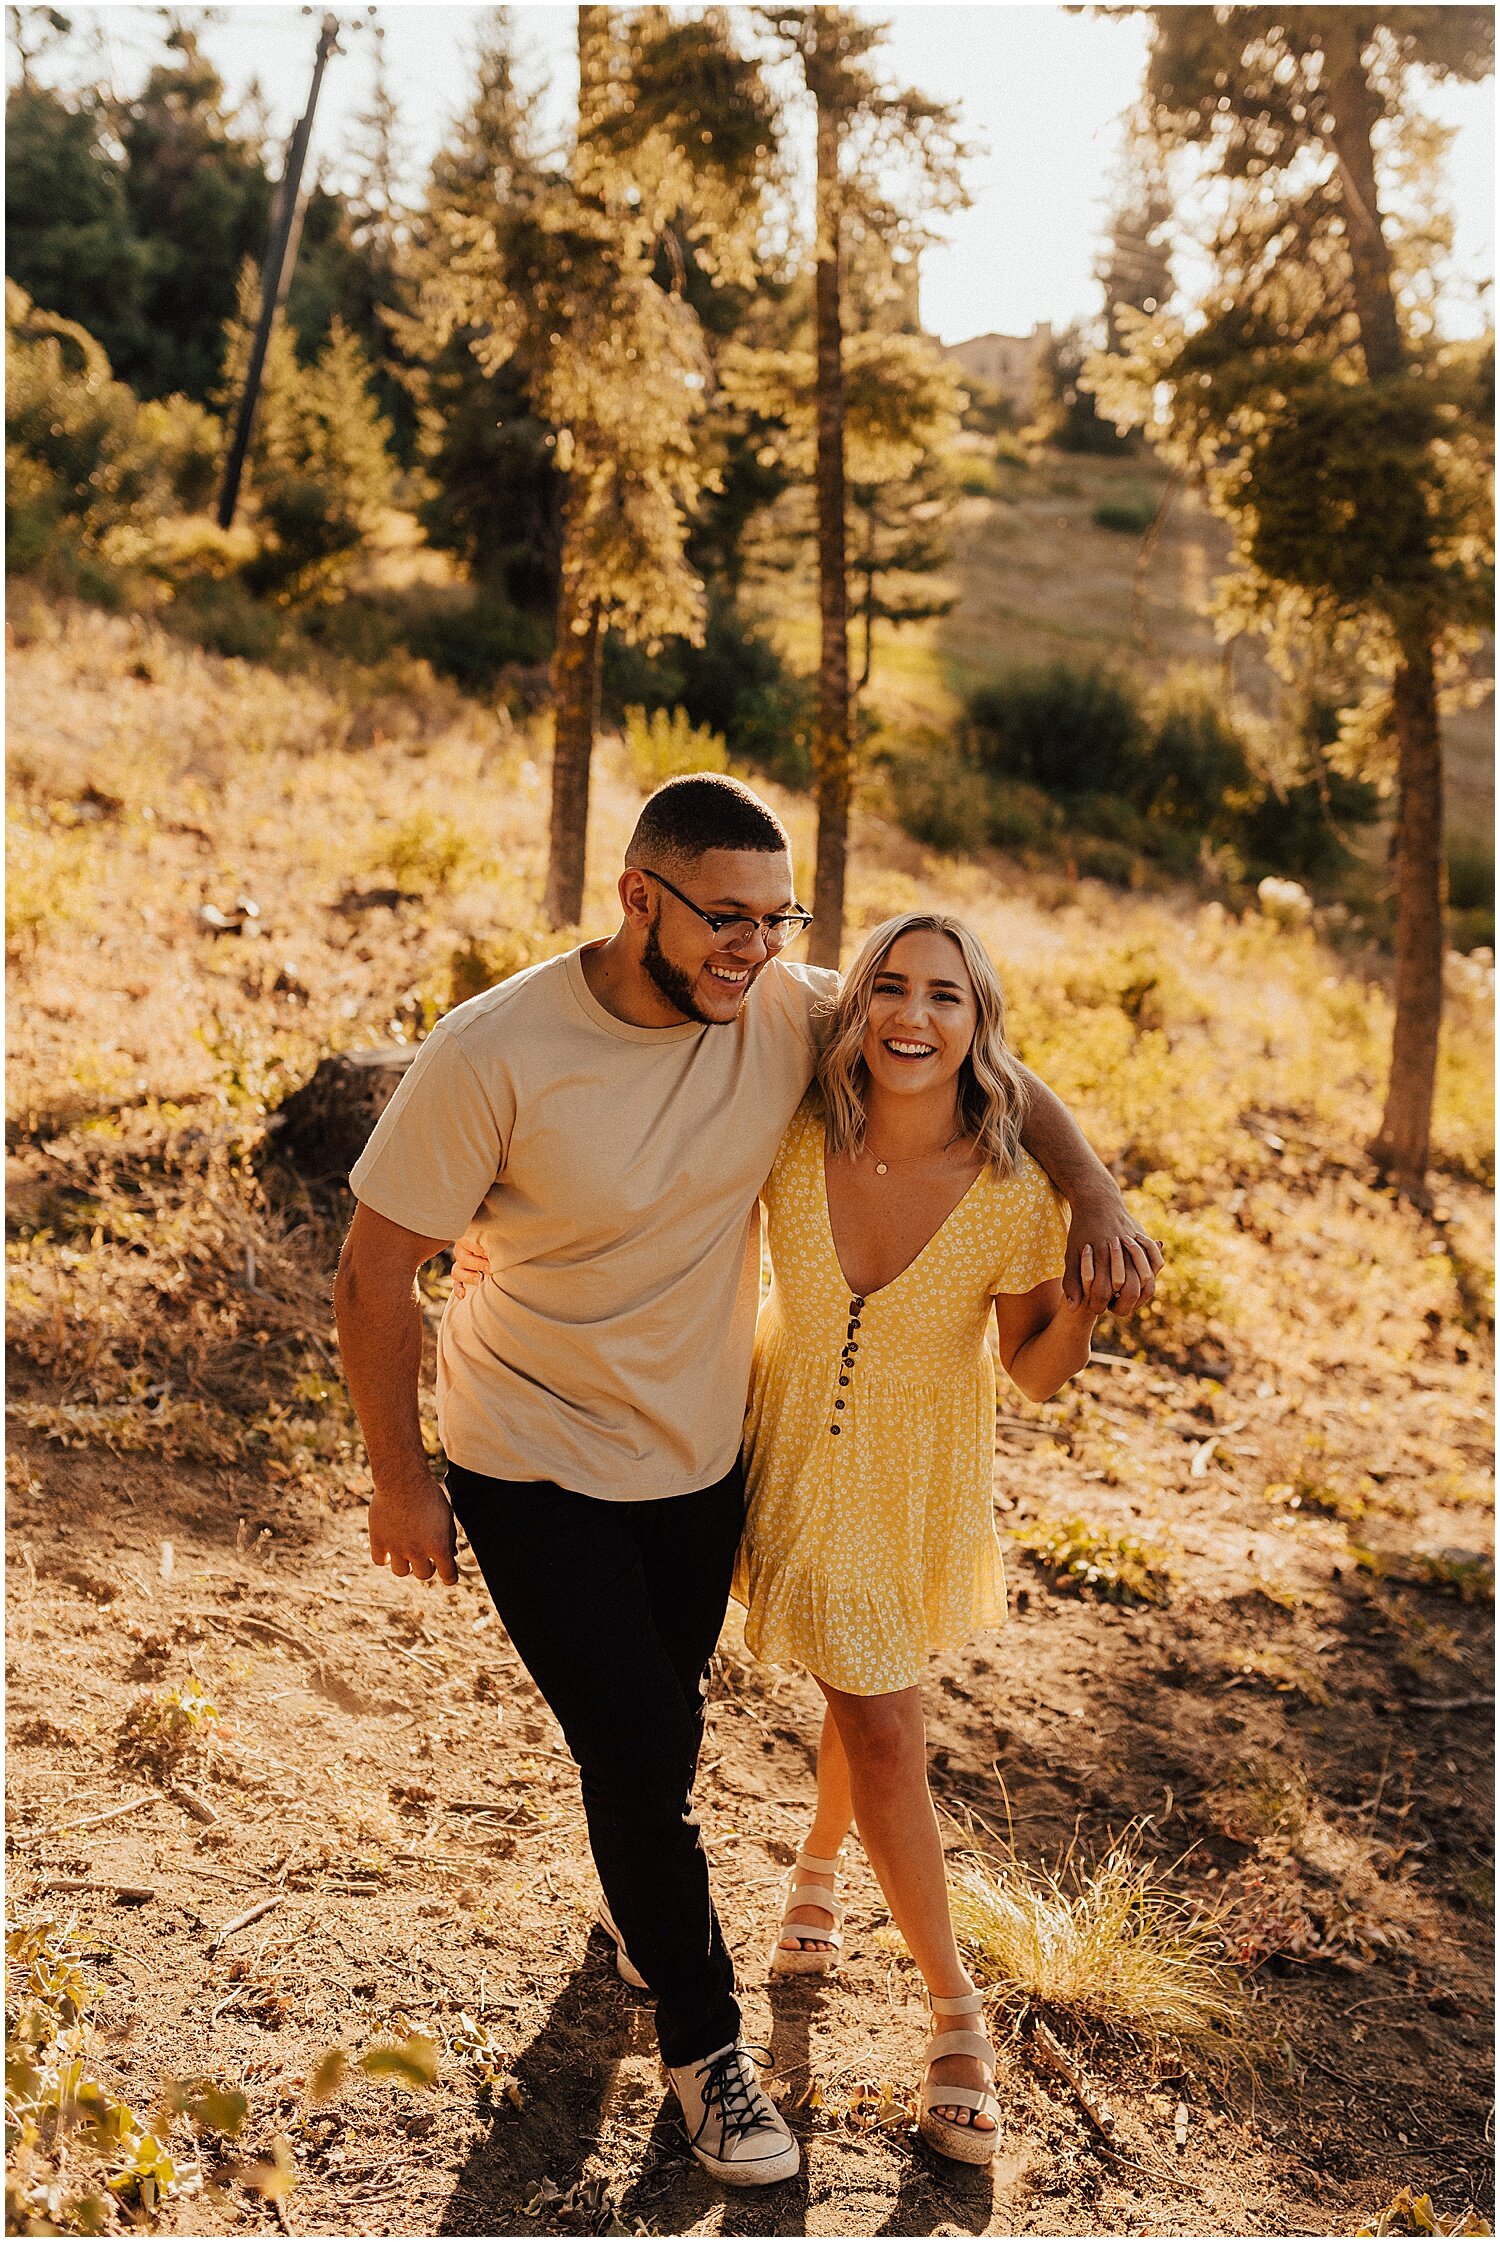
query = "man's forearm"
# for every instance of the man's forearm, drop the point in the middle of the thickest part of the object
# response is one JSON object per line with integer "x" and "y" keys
{"x": 380, "y": 1340}
{"x": 1056, "y": 1143}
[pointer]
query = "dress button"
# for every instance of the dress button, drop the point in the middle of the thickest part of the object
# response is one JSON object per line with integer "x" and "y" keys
{"x": 843, "y": 1381}
{"x": 833, "y": 1428}
{"x": 839, "y": 1404}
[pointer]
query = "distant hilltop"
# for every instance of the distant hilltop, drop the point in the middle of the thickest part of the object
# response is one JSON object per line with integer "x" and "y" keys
{"x": 1008, "y": 363}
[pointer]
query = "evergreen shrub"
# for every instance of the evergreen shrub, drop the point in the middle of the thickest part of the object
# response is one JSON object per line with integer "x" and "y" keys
{"x": 1067, "y": 729}
{"x": 1131, "y": 512}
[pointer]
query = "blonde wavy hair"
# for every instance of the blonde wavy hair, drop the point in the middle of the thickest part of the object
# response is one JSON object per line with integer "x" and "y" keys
{"x": 992, "y": 1092}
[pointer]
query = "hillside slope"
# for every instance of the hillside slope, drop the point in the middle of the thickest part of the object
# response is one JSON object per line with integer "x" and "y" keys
{"x": 214, "y": 1701}
{"x": 1038, "y": 580}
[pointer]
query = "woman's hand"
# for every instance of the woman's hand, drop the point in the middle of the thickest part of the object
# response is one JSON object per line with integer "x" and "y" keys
{"x": 471, "y": 1265}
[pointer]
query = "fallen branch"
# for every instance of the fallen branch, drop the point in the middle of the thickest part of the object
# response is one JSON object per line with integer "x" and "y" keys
{"x": 1055, "y": 2057}
{"x": 251, "y": 1915}
{"x": 1449, "y": 1704}
{"x": 137, "y": 1892}
{"x": 92, "y": 1821}
{"x": 192, "y": 1804}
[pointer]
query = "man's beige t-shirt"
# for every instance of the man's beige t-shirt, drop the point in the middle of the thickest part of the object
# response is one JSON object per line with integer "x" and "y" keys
{"x": 613, "y": 1173}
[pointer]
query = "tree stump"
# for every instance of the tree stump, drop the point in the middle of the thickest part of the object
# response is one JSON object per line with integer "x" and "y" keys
{"x": 322, "y": 1129}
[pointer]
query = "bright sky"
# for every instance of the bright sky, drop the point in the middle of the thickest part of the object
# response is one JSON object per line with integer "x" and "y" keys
{"x": 1042, "y": 90}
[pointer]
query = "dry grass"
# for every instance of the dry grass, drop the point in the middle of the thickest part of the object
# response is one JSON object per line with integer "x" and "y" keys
{"x": 170, "y": 1284}
{"x": 1108, "y": 1946}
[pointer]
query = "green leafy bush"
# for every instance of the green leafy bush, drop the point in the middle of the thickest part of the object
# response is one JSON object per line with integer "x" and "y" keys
{"x": 938, "y": 795}
{"x": 735, "y": 683}
{"x": 1132, "y": 512}
{"x": 1095, "y": 1561}
{"x": 479, "y": 965}
{"x": 1111, "y": 861}
{"x": 1300, "y": 828}
{"x": 1066, "y": 729}
{"x": 660, "y": 746}
{"x": 1471, "y": 896}
{"x": 426, "y": 853}
{"x": 1192, "y": 768}
{"x": 470, "y": 633}
{"x": 1021, "y": 816}
{"x": 223, "y": 615}
{"x": 82, "y": 454}
{"x": 977, "y": 476}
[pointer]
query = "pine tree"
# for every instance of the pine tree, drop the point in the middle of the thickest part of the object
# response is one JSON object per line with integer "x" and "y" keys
{"x": 378, "y": 283}
{"x": 902, "y": 409}
{"x": 1351, "y": 450}
{"x": 320, "y": 464}
{"x": 68, "y": 236}
{"x": 199, "y": 198}
{"x": 1135, "y": 269}
{"x": 496, "y": 494}
{"x": 567, "y": 276}
{"x": 887, "y": 162}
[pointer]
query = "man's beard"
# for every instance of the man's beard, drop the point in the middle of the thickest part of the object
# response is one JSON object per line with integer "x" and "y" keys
{"x": 672, "y": 983}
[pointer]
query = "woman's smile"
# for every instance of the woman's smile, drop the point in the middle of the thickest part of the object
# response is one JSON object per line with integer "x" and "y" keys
{"x": 922, "y": 1014}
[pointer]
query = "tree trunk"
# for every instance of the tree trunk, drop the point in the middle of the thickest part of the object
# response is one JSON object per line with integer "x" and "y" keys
{"x": 1401, "y": 1148}
{"x": 1353, "y": 114}
{"x": 575, "y": 696}
{"x": 831, "y": 749}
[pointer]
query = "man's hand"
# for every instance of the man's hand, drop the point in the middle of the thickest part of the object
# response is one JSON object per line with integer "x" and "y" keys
{"x": 380, "y": 1337}
{"x": 1112, "y": 1264}
{"x": 412, "y": 1530}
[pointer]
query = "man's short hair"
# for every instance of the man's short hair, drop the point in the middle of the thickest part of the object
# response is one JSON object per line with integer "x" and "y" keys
{"x": 703, "y": 811}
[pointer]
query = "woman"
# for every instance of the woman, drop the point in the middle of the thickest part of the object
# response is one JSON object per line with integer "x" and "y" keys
{"x": 902, "y": 1211}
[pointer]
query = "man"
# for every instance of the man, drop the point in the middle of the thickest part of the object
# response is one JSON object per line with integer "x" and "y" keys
{"x": 606, "y": 1119}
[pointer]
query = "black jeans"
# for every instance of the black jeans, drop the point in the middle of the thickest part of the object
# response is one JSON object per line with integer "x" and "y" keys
{"x": 615, "y": 1608}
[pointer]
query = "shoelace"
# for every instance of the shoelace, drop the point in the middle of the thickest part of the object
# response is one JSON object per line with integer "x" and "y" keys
{"x": 732, "y": 2091}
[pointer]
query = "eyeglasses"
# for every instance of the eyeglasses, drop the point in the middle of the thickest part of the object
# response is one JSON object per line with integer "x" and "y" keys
{"x": 782, "y": 927}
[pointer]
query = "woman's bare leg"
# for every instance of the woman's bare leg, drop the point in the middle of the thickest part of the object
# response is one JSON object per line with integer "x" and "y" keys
{"x": 835, "y": 1812}
{"x": 885, "y": 1746}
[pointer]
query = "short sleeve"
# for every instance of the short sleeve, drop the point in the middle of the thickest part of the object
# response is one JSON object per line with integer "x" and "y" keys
{"x": 794, "y": 1136}
{"x": 439, "y": 1146}
{"x": 809, "y": 994}
{"x": 1034, "y": 1230}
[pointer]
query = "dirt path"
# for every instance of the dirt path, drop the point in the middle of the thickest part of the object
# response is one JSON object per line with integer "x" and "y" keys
{"x": 383, "y": 1768}
{"x": 1302, "y": 1729}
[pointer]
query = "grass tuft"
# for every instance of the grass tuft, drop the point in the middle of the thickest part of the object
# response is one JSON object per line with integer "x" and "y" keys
{"x": 1108, "y": 1947}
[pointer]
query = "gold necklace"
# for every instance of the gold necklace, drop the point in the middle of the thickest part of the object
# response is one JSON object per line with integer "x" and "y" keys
{"x": 882, "y": 1166}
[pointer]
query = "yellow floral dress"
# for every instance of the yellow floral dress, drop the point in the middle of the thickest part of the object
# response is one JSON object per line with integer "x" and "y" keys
{"x": 870, "y": 1435}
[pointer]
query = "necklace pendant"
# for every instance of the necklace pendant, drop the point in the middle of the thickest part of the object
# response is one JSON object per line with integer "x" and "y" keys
{"x": 880, "y": 1167}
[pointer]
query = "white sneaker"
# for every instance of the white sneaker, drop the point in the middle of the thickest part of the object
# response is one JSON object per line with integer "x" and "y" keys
{"x": 623, "y": 1963}
{"x": 734, "y": 2128}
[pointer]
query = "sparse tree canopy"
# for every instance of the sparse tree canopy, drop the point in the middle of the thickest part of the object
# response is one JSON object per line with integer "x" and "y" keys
{"x": 563, "y": 276}
{"x": 1349, "y": 447}
{"x": 320, "y": 461}
{"x": 888, "y": 165}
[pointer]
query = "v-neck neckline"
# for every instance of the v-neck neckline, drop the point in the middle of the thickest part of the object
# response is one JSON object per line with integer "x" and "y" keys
{"x": 925, "y": 1247}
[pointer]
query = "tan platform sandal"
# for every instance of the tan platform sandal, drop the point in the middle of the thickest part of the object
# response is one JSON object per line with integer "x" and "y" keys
{"x": 967, "y": 2144}
{"x": 805, "y": 1961}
